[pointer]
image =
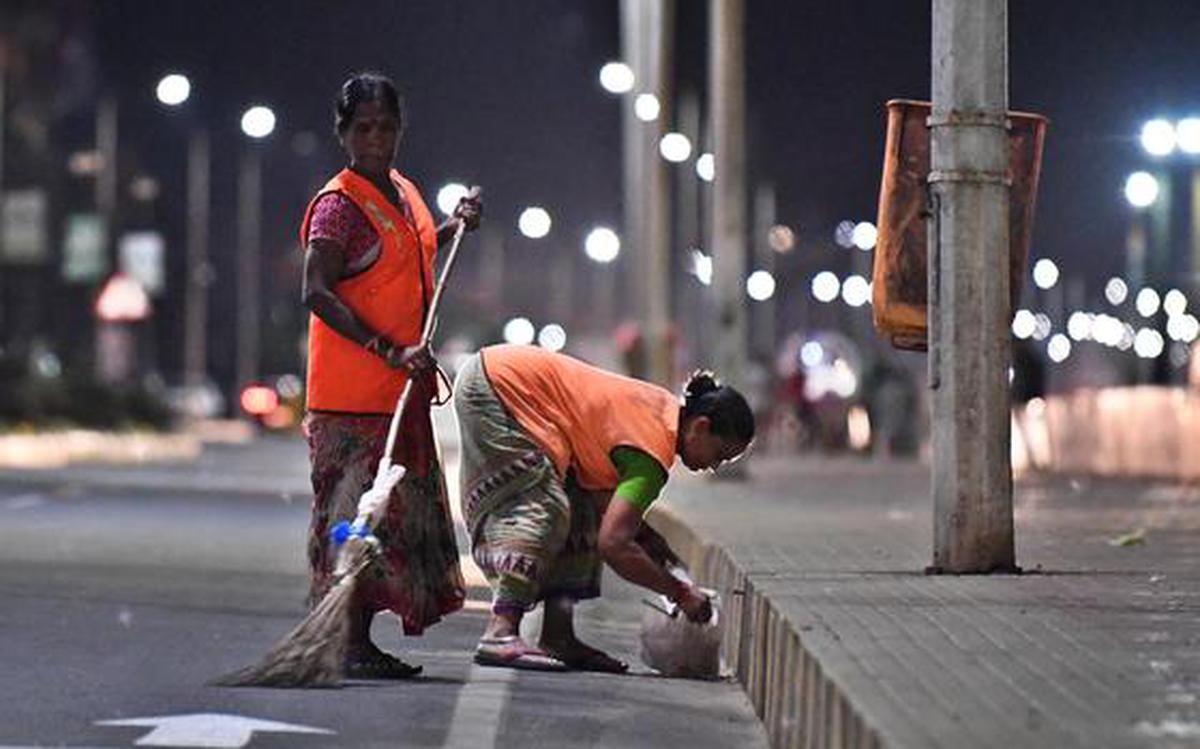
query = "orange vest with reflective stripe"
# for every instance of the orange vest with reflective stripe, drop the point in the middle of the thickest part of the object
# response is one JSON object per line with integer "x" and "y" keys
{"x": 578, "y": 413}
{"x": 390, "y": 298}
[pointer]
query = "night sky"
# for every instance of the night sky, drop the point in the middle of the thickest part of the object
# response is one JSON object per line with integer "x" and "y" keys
{"x": 506, "y": 94}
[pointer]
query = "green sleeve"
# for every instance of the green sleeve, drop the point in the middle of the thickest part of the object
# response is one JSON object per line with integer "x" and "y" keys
{"x": 640, "y": 478}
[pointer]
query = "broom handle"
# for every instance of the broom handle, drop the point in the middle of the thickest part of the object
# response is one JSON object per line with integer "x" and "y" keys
{"x": 427, "y": 331}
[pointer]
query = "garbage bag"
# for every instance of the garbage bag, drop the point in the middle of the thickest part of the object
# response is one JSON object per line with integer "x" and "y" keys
{"x": 675, "y": 646}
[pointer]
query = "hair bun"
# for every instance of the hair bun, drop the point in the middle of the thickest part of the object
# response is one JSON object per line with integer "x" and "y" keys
{"x": 702, "y": 381}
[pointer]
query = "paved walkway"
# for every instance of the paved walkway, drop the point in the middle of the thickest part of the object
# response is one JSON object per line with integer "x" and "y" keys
{"x": 842, "y": 641}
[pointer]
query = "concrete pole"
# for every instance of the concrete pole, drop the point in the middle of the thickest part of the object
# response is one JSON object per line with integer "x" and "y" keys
{"x": 647, "y": 31}
{"x": 969, "y": 280}
{"x": 195, "y": 309}
{"x": 763, "y": 331}
{"x": 727, "y": 102}
{"x": 106, "y": 178}
{"x": 249, "y": 257}
{"x": 633, "y": 184}
{"x": 656, "y": 242}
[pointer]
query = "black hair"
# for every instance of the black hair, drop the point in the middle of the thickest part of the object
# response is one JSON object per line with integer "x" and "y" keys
{"x": 361, "y": 88}
{"x": 725, "y": 407}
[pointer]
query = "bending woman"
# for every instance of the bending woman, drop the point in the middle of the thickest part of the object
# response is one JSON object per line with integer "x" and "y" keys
{"x": 547, "y": 442}
{"x": 369, "y": 245}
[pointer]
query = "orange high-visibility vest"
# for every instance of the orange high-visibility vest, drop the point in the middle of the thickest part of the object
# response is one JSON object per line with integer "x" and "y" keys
{"x": 578, "y": 413}
{"x": 390, "y": 298}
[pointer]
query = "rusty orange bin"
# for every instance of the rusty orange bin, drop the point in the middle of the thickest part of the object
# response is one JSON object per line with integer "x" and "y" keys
{"x": 899, "y": 277}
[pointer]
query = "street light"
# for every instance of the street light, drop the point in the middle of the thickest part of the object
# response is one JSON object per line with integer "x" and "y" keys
{"x": 826, "y": 286}
{"x": 1059, "y": 348}
{"x": 706, "y": 167}
{"x": 864, "y": 235}
{"x": 843, "y": 235}
{"x": 1141, "y": 189}
{"x": 646, "y": 107}
{"x": 602, "y": 244}
{"x": 449, "y": 196}
{"x": 760, "y": 286}
{"x": 1023, "y": 324}
{"x": 1147, "y": 302}
{"x": 855, "y": 291}
{"x": 1148, "y": 343}
{"x": 1045, "y": 273}
{"x": 1187, "y": 135}
{"x": 552, "y": 337}
{"x": 675, "y": 147}
{"x": 702, "y": 267}
{"x": 534, "y": 222}
{"x": 617, "y": 78}
{"x": 1115, "y": 291}
{"x": 1158, "y": 137}
{"x": 1174, "y": 303}
{"x": 173, "y": 89}
{"x": 781, "y": 238}
{"x": 519, "y": 330}
{"x": 258, "y": 121}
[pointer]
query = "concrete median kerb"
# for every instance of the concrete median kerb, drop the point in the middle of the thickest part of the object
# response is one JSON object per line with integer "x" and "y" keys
{"x": 798, "y": 703}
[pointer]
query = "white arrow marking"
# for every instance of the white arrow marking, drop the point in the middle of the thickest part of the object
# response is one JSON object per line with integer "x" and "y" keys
{"x": 206, "y": 730}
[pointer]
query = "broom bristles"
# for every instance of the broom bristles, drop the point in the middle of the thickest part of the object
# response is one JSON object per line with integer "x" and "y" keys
{"x": 313, "y": 654}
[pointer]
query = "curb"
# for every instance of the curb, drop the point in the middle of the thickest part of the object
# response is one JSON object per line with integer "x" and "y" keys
{"x": 799, "y": 704}
{"x": 81, "y": 446}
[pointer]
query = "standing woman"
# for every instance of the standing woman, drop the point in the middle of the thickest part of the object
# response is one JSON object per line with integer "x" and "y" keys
{"x": 560, "y": 460}
{"x": 369, "y": 244}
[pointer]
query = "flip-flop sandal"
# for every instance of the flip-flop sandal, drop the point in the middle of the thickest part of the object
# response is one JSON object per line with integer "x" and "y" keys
{"x": 597, "y": 661}
{"x": 382, "y": 666}
{"x": 512, "y": 652}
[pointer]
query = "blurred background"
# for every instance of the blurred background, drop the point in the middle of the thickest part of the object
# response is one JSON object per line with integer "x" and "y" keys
{"x": 156, "y": 159}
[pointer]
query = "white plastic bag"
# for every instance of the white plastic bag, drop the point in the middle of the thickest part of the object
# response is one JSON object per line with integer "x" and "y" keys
{"x": 675, "y": 646}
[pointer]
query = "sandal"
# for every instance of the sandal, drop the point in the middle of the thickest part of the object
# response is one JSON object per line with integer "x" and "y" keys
{"x": 379, "y": 666}
{"x": 580, "y": 657}
{"x": 512, "y": 652}
{"x": 597, "y": 661}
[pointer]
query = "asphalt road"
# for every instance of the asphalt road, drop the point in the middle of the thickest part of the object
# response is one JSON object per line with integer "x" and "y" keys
{"x": 122, "y": 592}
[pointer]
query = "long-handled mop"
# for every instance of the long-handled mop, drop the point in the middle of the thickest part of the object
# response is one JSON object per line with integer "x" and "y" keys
{"x": 313, "y": 654}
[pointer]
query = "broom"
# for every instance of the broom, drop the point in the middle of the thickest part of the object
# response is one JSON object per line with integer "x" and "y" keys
{"x": 313, "y": 654}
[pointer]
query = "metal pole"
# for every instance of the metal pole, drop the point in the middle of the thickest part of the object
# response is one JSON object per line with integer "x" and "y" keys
{"x": 727, "y": 101}
{"x": 686, "y": 311}
{"x": 633, "y": 203}
{"x": 249, "y": 254}
{"x": 969, "y": 280}
{"x": 656, "y": 244}
{"x": 195, "y": 311}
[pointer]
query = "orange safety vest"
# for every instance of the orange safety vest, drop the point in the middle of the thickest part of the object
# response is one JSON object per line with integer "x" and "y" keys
{"x": 578, "y": 413}
{"x": 390, "y": 298}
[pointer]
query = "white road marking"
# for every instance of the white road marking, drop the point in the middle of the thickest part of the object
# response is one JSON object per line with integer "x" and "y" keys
{"x": 476, "y": 719}
{"x": 216, "y": 730}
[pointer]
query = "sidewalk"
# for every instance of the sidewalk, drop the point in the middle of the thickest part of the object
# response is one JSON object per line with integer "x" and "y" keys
{"x": 842, "y": 641}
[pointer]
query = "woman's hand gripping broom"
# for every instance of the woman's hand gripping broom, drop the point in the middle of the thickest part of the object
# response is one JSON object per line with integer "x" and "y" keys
{"x": 313, "y": 654}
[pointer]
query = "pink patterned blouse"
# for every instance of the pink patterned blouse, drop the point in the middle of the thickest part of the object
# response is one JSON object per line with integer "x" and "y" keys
{"x": 337, "y": 219}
